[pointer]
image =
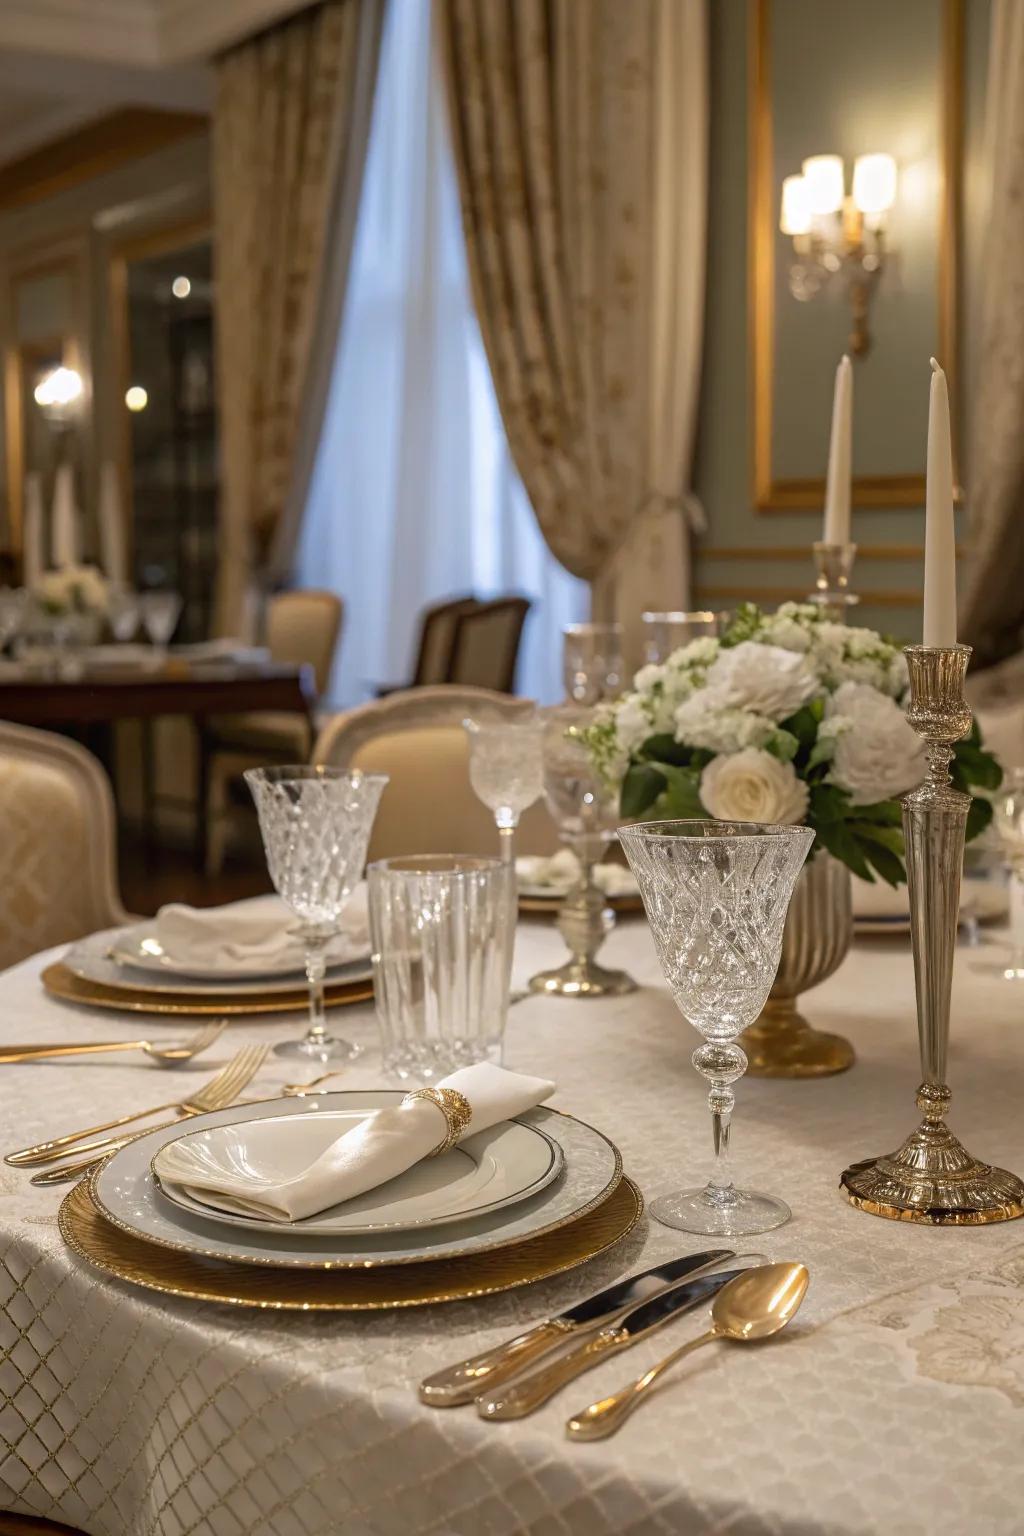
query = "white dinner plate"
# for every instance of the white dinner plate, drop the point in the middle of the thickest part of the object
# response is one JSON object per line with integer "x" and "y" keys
{"x": 127, "y": 1194}
{"x": 91, "y": 959}
{"x": 139, "y": 947}
{"x": 485, "y": 1172}
{"x": 987, "y": 901}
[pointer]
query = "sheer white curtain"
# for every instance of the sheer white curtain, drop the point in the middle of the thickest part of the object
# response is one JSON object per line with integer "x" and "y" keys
{"x": 414, "y": 496}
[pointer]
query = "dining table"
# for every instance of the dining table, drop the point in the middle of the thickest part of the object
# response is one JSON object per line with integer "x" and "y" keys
{"x": 893, "y": 1403}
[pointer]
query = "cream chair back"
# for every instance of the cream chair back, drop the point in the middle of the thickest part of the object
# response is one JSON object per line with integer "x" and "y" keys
{"x": 417, "y": 738}
{"x": 58, "y": 861}
{"x": 303, "y": 629}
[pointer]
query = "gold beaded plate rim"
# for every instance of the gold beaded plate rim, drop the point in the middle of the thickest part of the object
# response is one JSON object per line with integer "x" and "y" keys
{"x": 62, "y": 983}
{"x": 86, "y": 1232}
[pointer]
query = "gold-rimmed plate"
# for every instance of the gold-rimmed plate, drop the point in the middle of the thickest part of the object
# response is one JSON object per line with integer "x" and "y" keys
{"x": 129, "y": 1258}
{"x": 60, "y": 982}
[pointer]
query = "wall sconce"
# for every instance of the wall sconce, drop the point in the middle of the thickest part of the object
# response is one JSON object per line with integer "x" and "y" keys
{"x": 835, "y": 234}
{"x": 57, "y": 395}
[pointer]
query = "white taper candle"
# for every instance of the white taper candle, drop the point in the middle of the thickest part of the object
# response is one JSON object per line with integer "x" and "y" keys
{"x": 840, "y": 454}
{"x": 66, "y": 548}
{"x": 939, "y": 528}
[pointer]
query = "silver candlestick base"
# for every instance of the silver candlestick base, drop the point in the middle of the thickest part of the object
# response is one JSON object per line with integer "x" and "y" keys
{"x": 834, "y": 565}
{"x": 932, "y": 1178}
{"x": 584, "y": 921}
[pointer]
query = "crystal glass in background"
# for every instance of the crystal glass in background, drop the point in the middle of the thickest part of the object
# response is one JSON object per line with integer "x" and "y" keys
{"x": 666, "y": 632}
{"x": 160, "y": 614}
{"x": 441, "y": 926}
{"x": 124, "y": 612}
{"x": 592, "y": 662}
{"x": 506, "y": 770}
{"x": 14, "y": 604}
{"x": 1008, "y": 827}
{"x": 585, "y": 810}
{"x": 716, "y": 895}
{"x": 315, "y": 823}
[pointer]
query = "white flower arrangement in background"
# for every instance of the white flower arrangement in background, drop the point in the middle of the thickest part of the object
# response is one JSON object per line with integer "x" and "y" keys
{"x": 73, "y": 589}
{"x": 787, "y": 718}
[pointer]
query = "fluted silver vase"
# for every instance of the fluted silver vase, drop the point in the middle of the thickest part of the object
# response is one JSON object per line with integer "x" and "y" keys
{"x": 817, "y": 937}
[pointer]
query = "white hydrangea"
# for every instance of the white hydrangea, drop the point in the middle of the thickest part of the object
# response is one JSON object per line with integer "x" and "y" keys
{"x": 877, "y": 754}
{"x": 704, "y": 721}
{"x": 763, "y": 678}
{"x": 841, "y": 654}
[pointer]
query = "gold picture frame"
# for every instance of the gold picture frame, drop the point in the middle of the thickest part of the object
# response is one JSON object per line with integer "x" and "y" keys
{"x": 770, "y": 492}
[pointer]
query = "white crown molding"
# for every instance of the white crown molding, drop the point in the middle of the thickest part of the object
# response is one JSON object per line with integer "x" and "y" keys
{"x": 152, "y": 33}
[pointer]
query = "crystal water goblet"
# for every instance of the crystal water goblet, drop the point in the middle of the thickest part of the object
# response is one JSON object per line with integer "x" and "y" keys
{"x": 592, "y": 662}
{"x": 160, "y": 614}
{"x": 315, "y": 823}
{"x": 716, "y": 895}
{"x": 124, "y": 612}
{"x": 666, "y": 632}
{"x": 506, "y": 769}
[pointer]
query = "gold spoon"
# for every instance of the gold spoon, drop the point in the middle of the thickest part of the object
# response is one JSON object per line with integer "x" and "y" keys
{"x": 753, "y": 1306}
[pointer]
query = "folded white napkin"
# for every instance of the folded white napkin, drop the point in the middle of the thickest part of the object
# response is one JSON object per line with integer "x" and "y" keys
{"x": 260, "y": 931}
{"x": 561, "y": 871}
{"x": 379, "y": 1148}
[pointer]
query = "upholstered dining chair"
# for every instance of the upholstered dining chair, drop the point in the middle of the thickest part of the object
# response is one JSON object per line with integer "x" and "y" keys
{"x": 58, "y": 847}
{"x": 436, "y": 644}
{"x": 302, "y": 629}
{"x": 416, "y": 737}
{"x": 485, "y": 647}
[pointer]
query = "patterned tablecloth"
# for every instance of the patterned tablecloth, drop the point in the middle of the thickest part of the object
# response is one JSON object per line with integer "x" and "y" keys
{"x": 896, "y": 1404}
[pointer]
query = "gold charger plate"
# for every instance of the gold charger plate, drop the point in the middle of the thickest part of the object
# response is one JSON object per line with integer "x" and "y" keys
{"x": 551, "y": 904}
{"x": 87, "y": 1233}
{"x": 60, "y": 982}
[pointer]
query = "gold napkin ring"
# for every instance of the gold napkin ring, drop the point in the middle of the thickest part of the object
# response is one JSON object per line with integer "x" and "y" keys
{"x": 455, "y": 1107}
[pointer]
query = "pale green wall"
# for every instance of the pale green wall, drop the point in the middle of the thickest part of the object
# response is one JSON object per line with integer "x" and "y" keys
{"x": 723, "y": 471}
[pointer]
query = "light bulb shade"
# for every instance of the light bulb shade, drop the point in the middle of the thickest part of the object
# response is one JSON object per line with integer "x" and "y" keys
{"x": 796, "y": 208}
{"x": 874, "y": 183}
{"x": 58, "y": 389}
{"x": 823, "y": 175}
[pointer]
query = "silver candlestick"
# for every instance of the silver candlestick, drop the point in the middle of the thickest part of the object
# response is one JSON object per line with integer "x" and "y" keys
{"x": 834, "y": 565}
{"x": 932, "y": 1178}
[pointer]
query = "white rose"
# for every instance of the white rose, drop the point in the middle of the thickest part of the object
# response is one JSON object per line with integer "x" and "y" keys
{"x": 753, "y": 786}
{"x": 877, "y": 754}
{"x": 763, "y": 678}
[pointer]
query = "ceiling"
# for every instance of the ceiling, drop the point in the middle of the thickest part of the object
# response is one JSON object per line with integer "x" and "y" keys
{"x": 67, "y": 62}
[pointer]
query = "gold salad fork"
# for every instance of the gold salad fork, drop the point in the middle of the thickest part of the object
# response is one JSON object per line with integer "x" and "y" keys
{"x": 218, "y": 1093}
{"x": 163, "y": 1055}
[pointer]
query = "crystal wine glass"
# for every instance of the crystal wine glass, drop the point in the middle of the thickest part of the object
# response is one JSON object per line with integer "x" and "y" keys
{"x": 585, "y": 810}
{"x": 124, "y": 612}
{"x": 666, "y": 632}
{"x": 506, "y": 769}
{"x": 315, "y": 823}
{"x": 716, "y": 895}
{"x": 160, "y": 614}
{"x": 592, "y": 662}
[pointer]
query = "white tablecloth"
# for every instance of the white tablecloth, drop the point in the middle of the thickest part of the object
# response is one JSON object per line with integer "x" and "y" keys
{"x": 895, "y": 1405}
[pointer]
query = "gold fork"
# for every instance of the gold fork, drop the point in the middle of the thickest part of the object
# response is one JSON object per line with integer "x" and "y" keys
{"x": 163, "y": 1055}
{"x": 218, "y": 1094}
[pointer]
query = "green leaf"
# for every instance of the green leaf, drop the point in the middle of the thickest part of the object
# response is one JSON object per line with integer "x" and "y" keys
{"x": 804, "y": 724}
{"x": 822, "y": 752}
{"x": 977, "y": 766}
{"x": 640, "y": 788}
{"x": 978, "y": 817}
{"x": 828, "y": 803}
{"x": 888, "y": 865}
{"x": 665, "y": 749}
{"x": 782, "y": 745}
{"x": 887, "y": 813}
{"x": 681, "y": 796}
{"x": 839, "y": 841}
{"x": 883, "y": 837}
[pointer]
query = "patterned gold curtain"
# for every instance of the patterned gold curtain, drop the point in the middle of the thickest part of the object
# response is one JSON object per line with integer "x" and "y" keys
{"x": 580, "y": 138}
{"x": 291, "y": 121}
{"x": 993, "y": 607}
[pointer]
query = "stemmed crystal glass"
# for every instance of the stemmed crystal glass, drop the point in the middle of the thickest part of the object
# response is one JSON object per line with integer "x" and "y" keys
{"x": 585, "y": 810}
{"x": 160, "y": 614}
{"x": 315, "y": 823}
{"x": 124, "y": 612}
{"x": 716, "y": 895}
{"x": 592, "y": 662}
{"x": 506, "y": 769}
{"x": 666, "y": 632}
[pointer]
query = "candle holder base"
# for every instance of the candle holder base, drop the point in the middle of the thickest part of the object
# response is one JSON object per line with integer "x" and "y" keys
{"x": 582, "y": 978}
{"x": 783, "y": 1044}
{"x": 935, "y": 1181}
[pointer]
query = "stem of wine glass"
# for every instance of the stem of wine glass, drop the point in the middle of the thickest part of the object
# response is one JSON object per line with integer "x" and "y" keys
{"x": 721, "y": 1063}
{"x": 316, "y": 970}
{"x": 507, "y": 824}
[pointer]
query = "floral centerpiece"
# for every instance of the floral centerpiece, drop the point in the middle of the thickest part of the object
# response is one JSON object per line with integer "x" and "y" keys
{"x": 788, "y": 717}
{"x": 75, "y": 589}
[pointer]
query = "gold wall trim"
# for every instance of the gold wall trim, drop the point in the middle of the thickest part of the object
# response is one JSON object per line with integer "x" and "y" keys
{"x": 709, "y": 594}
{"x": 780, "y": 552}
{"x": 91, "y": 150}
{"x": 772, "y": 494}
